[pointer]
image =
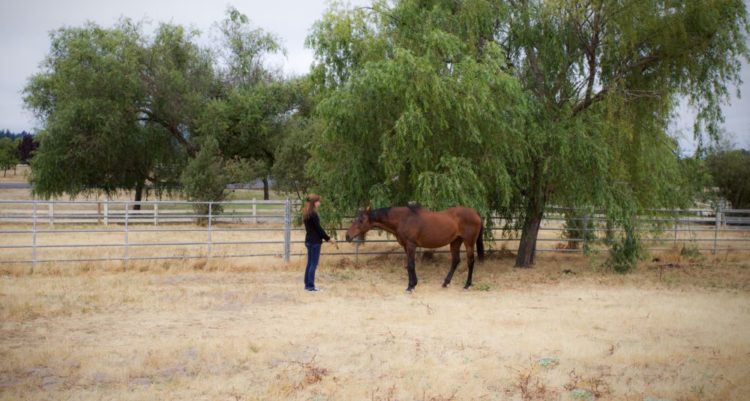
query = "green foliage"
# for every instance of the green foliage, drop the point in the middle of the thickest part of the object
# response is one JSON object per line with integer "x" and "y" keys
{"x": 626, "y": 251}
{"x": 249, "y": 120}
{"x": 579, "y": 226}
{"x": 509, "y": 106}
{"x": 293, "y": 154}
{"x": 605, "y": 77}
{"x": 8, "y": 154}
{"x": 204, "y": 178}
{"x": 697, "y": 182}
{"x": 244, "y": 50}
{"x": 453, "y": 182}
{"x": 120, "y": 109}
{"x": 178, "y": 79}
{"x": 731, "y": 173}
{"x": 413, "y": 111}
{"x": 87, "y": 96}
{"x": 249, "y": 124}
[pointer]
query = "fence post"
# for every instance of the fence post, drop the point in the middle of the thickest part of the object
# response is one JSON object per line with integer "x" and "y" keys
{"x": 127, "y": 254}
{"x": 676, "y": 223}
{"x": 51, "y": 213}
{"x": 719, "y": 212}
{"x": 287, "y": 230}
{"x": 33, "y": 239}
{"x": 255, "y": 211}
{"x": 210, "y": 209}
{"x": 156, "y": 214}
{"x": 585, "y": 232}
{"x": 106, "y": 212}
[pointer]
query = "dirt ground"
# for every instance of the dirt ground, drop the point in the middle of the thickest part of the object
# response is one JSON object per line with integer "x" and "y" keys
{"x": 197, "y": 330}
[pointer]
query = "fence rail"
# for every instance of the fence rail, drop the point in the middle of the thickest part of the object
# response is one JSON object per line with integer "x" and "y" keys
{"x": 33, "y": 232}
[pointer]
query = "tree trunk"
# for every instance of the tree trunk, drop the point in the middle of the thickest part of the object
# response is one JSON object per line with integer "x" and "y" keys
{"x": 532, "y": 221}
{"x": 527, "y": 246}
{"x": 138, "y": 196}
{"x": 265, "y": 188}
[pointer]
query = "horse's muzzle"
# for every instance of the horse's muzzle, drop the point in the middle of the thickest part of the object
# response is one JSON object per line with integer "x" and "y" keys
{"x": 349, "y": 238}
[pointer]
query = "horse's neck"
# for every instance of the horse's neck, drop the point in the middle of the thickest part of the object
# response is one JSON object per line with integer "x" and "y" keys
{"x": 390, "y": 221}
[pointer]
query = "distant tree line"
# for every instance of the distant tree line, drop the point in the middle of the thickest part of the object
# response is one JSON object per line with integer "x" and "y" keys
{"x": 730, "y": 173}
{"x": 15, "y": 148}
{"x": 26, "y": 144}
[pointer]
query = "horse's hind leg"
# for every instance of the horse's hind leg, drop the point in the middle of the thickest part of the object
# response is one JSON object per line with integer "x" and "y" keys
{"x": 411, "y": 266}
{"x": 455, "y": 260}
{"x": 470, "y": 260}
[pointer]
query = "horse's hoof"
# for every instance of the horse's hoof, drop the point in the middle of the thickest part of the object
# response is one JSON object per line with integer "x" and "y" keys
{"x": 446, "y": 285}
{"x": 409, "y": 290}
{"x": 467, "y": 288}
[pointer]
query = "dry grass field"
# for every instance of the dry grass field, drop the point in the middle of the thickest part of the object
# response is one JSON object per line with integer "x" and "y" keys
{"x": 246, "y": 330}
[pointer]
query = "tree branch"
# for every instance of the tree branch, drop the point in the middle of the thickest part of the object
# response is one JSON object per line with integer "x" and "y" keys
{"x": 588, "y": 101}
{"x": 176, "y": 133}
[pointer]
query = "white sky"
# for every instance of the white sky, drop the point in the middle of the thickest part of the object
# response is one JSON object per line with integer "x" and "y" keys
{"x": 25, "y": 27}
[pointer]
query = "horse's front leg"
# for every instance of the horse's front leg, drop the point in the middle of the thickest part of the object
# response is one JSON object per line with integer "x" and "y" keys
{"x": 411, "y": 250}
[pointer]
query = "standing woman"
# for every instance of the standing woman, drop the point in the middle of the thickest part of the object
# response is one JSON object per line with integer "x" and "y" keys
{"x": 314, "y": 237}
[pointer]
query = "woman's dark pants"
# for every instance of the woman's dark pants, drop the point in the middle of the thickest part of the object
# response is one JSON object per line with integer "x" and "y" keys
{"x": 313, "y": 257}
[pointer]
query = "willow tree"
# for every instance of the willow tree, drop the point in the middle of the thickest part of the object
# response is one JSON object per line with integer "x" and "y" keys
{"x": 511, "y": 105}
{"x": 116, "y": 109}
{"x": 417, "y": 105}
{"x": 605, "y": 77}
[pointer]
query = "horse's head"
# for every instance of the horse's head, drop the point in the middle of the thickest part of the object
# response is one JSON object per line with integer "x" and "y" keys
{"x": 360, "y": 225}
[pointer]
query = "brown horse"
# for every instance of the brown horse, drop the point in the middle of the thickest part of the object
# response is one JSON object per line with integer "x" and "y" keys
{"x": 415, "y": 227}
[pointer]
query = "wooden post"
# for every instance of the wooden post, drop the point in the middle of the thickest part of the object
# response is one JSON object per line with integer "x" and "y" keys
{"x": 127, "y": 253}
{"x": 719, "y": 212}
{"x": 106, "y": 212}
{"x": 287, "y": 230}
{"x": 210, "y": 209}
{"x": 33, "y": 239}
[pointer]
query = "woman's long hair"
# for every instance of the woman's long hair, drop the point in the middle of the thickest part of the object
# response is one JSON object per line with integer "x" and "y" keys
{"x": 309, "y": 208}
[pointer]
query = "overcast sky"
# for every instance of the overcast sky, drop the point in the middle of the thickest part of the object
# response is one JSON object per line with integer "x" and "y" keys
{"x": 25, "y": 27}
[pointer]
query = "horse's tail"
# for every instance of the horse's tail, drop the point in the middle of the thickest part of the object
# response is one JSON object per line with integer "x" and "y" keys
{"x": 480, "y": 242}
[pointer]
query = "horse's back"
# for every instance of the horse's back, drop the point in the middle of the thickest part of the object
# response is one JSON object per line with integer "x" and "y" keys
{"x": 435, "y": 229}
{"x": 459, "y": 215}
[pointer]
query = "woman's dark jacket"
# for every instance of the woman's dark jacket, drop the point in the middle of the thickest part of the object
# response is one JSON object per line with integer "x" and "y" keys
{"x": 314, "y": 233}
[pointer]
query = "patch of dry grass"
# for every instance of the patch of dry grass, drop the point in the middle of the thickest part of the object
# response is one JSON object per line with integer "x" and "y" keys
{"x": 20, "y": 174}
{"x": 245, "y": 330}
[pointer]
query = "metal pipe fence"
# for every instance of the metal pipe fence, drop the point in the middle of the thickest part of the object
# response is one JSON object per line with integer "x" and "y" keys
{"x": 33, "y": 232}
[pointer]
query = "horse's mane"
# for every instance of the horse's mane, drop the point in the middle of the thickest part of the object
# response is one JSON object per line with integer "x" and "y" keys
{"x": 382, "y": 213}
{"x": 414, "y": 207}
{"x": 379, "y": 214}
